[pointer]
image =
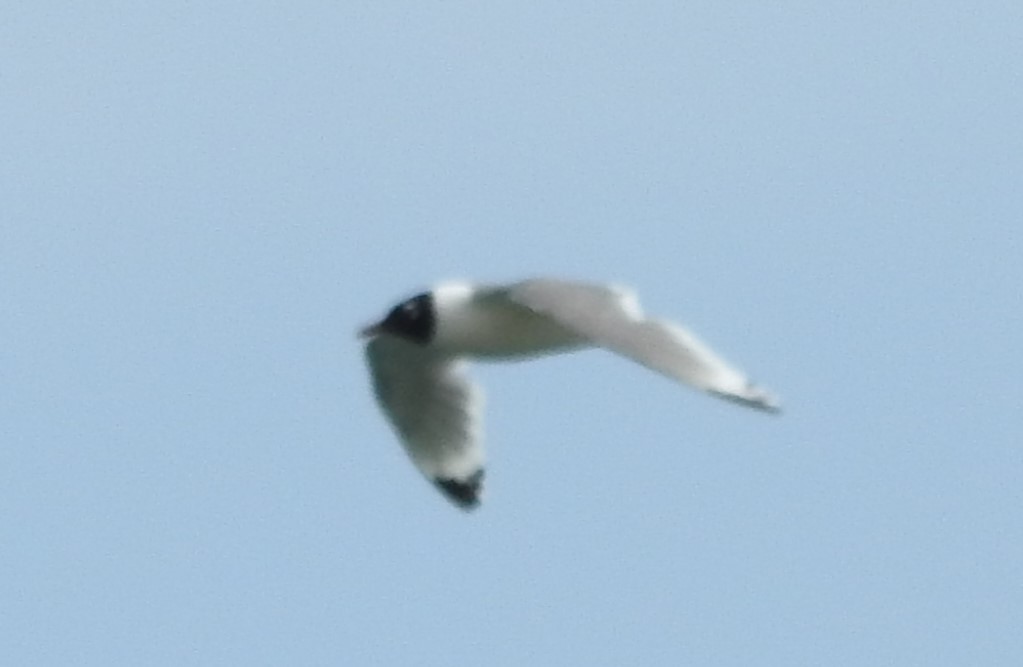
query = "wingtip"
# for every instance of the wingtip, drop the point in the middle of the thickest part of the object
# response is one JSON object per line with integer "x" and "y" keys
{"x": 761, "y": 399}
{"x": 768, "y": 403}
{"x": 753, "y": 398}
{"x": 464, "y": 493}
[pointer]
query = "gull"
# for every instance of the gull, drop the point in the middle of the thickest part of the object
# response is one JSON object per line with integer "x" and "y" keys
{"x": 417, "y": 356}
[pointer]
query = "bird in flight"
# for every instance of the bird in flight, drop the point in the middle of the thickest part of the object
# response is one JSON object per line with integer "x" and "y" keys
{"x": 417, "y": 357}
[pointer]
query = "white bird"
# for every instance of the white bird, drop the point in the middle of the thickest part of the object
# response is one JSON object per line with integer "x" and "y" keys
{"x": 417, "y": 356}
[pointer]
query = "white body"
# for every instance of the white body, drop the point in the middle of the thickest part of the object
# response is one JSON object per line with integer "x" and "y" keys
{"x": 482, "y": 323}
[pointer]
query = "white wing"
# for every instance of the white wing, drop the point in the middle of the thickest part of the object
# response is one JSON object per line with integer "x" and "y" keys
{"x": 611, "y": 318}
{"x": 435, "y": 410}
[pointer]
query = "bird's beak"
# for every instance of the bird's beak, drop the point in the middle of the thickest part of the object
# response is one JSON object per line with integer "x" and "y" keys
{"x": 372, "y": 330}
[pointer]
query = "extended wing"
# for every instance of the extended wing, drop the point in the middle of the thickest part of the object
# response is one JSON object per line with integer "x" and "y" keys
{"x": 435, "y": 409}
{"x": 612, "y": 318}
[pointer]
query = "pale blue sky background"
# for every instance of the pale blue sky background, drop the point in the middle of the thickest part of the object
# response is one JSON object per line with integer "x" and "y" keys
{"x": 199, "y": 205}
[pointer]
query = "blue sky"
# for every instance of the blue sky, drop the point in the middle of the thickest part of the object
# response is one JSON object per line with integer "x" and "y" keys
{"x": 201, "y": 204}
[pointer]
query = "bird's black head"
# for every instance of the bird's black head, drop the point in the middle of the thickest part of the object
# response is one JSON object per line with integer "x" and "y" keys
{"x": 414, "y": 319}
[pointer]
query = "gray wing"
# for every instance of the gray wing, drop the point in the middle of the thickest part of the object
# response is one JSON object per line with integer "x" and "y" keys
{"x": 435, "y": 410}
{"x": 611, "y": 318}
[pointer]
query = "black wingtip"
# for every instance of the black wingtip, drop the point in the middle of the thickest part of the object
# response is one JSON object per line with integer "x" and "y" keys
{"x": 758, "y": 400}
{"x": 465, "y": 493}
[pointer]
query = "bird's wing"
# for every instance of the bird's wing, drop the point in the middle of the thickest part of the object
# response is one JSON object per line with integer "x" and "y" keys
{"x": 436, "y": 411}
{"x": 611, "y": 318}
